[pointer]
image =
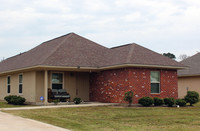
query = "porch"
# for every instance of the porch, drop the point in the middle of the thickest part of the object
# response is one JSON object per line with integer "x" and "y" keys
{"x": 76, "y": 84}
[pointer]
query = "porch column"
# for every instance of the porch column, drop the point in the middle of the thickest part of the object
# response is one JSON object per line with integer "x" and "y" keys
{"x": 45, "y": 87}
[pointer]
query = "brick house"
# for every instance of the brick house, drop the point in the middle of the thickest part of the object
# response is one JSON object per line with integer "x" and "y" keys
{"x": 88, "y": 70}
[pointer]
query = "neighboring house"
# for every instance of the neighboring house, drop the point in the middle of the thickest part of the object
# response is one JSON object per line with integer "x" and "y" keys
{"x": 89, "y": 71}
{"x": 189, "y": 78}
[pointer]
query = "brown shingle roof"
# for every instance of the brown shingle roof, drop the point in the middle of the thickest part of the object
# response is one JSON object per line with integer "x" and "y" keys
{"x": 193, "y": 64}
{"x": 72, "y": 50}
{"x": 136, "y": 54}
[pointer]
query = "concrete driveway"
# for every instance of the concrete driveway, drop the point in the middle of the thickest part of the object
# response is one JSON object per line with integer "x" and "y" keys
{"x": 10, "y": 122}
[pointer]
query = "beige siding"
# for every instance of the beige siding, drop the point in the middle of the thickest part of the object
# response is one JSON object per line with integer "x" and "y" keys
{"x": 3, "y": 87}
{"x": 28, "y": 86}
{"x": 82, "y": 84}
{"x": 39, "y": 85}
{"x": 75, "y": 83}
{"x": 70, "y": 84}
{"x": 49, "y": 79}
{"x": 14, "y": 90}
{"x": 192, "y": 83}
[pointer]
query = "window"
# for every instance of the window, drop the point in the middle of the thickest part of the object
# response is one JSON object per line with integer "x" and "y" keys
{"x": 57, "y": 80}
{"x": 155, "y": 82}
{"x": 8, "y": 84}
{"x": 20, "y": 83}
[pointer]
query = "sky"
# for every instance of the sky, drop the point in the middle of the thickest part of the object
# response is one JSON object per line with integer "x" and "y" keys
{"x": 162, "y": 26}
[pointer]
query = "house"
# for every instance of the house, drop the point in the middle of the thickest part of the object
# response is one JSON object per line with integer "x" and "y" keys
{"x": 88, "y": 70}
{"x": 189, "y": 78}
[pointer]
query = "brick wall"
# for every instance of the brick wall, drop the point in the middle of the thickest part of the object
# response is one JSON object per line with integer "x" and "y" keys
{"x": 110, "y": 85}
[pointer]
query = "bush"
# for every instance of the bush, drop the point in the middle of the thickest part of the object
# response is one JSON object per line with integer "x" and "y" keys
{"x": 77, "y": 100}
{"x": 146, "y": 101}
{"x": 16, "y": 100}
{"x": 129, "y": 97}
{"x": 56, "y": 101}
{"x": 192, "y": 97}
{"x": 169, "y": 101}
{"x": 158, "y": 101}
{"x": 180, "y": 102}
{"x": 8, "y": 99}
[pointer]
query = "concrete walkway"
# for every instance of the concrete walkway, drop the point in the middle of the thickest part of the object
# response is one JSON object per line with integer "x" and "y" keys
{"x": 15, "y": 123}
{"x": 60, "y": 106}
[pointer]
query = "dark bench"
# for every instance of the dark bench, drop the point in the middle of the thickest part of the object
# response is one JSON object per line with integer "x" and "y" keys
{"x": 60, "y": 94}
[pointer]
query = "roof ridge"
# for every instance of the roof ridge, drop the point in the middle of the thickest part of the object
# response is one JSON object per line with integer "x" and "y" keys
{"x": 56, "y": 47}
{"x": 21, "y": 53}
{"x": 91, "y": 41}
{"x": 130, "y": 53}
{"x": 58, "y": 37}
{"x": 121, "y": 46}
{"x": 190, "y": 57}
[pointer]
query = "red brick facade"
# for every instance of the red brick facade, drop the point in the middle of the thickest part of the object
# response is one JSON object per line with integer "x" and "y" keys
{"x": 110, "y": 85}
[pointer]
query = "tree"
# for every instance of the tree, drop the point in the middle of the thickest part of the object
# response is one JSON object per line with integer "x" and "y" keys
{"x": 129, "y": 97}
{"x": 183, "y": 57}
{"x": 170, "y": 55}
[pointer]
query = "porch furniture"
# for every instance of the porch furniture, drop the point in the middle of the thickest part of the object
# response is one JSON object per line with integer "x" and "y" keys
{"x": 60, "y": 94}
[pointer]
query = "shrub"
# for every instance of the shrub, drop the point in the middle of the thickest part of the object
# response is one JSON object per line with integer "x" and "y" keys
{"x": 8, "y": 99}
{"x": 129, "y": 97}
{"x": 158, "y": 101}
{"x": 180, "y": 102}
{"x": 55, "y": 101}
{"x": 77, "y": 100}
{"x": 169, "y": 101}
{"x": 16, "y": 100}
{"x": 192, "y": 97}
{"x": 146, "y": 101}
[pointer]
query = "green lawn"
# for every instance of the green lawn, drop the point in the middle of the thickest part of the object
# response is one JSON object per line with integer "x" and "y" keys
{"x": 119, "y": 118}
{"x": 6, "y": 105}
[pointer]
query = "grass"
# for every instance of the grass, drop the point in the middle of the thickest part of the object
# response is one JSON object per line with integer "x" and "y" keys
{"x": 6, "y": 105}
{"x": 118, "y": 118}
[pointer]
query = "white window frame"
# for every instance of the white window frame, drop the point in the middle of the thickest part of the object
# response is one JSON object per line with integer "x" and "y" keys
{"x": 8, "y": 84}
{"x": 62, "y": 78}
{"x": 155, "y": 82}
{"x": 20, "y": 83}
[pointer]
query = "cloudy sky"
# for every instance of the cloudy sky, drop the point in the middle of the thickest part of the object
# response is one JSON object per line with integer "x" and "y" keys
{"x": 163, "y": 26}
